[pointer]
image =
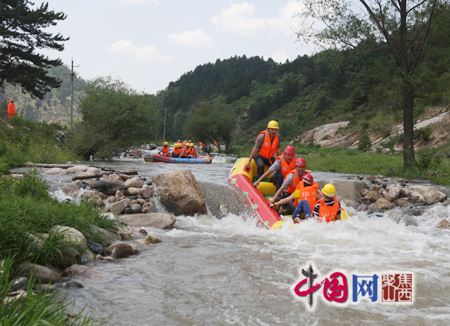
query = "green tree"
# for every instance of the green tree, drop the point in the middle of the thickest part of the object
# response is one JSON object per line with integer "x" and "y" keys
{"x": 400, "y": 28}
{"x": 211, "y": 120}
{"x": 21, "y": 34}
{"x": 115, "y": 117}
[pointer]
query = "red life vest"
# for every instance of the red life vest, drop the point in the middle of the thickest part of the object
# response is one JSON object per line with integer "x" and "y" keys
{"x": 328, "y": 213}
{"x": 268, "y": 148}
{"x": 165, "y": 150}
{"x": 308, "y": 193}
{"x": 285, "y": 166}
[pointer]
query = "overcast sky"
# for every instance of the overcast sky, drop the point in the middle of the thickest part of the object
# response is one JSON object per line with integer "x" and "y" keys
{"x": 149, "y": 43}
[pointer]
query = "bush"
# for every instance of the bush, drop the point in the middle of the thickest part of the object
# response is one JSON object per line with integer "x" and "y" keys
{"x": 428, "y": 158}
{"x": 364, "y": 142}
{"x": 423, "y": 133}
{"x": 27, "y": 208}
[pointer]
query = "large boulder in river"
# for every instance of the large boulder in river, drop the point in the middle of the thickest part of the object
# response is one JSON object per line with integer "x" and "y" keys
{"x": 179, "y": 193}
{"x": 154, "y": 220}
{"x": 348, "y": 192}
{"x": 424, "y": 195}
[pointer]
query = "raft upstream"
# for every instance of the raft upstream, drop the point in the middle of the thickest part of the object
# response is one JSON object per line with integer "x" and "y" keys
{"x": 256, "y": 199}
{"x": 168, "y": 159}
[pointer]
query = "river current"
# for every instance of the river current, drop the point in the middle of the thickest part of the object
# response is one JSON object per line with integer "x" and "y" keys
{"x": 223, "y": 269}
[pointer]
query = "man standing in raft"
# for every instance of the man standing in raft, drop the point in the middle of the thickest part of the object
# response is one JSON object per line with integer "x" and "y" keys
{"x": 266, "y": 146}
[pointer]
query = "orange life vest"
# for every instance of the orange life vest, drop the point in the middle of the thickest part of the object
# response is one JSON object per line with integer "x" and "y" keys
{"x": 11, "y": 110}
{"x": 286, "y": 167}
{"x": 177, "y": 150}
{"x": 191, "y": 151}
{"x": 268, "y": 148}
{"x": 165, "y": 150}
{"x": 308, "y": 193}
{"x": 295, "y": 181}
{"x": 328, "y": 213}
{"x": 184, "y": 151}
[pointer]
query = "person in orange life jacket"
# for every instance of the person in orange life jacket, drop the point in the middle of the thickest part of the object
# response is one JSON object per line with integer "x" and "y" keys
{"x": 184, "y": 151}
{"x": 305, "y": 197}
{"x": 328, "y": 208}
{"x": 201, "y": 144}
{"x": 267, "y": 144}
{"x": 165, "y": 149}
{"x": 216, "y": 143}
{"x": 283, "y": 165}
{"x": 11, "y": 109}
{"x": 178, "y": 141}
{"x": 192, "y": 152}
{"x": 176, "y": 150}
{"x": 290, "y": 183}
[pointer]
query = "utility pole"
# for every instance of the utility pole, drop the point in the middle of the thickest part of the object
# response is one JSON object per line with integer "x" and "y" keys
{"x": 164, "y": 134}
{"x": 71, "y": 97}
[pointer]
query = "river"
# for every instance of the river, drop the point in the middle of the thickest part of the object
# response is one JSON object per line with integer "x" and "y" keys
{"x": 222, "y": 269}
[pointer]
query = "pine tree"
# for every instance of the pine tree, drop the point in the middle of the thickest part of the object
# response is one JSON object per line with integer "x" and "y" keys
{"x": 21, "y": 34}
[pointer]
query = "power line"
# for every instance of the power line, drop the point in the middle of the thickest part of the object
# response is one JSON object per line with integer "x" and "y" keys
{"x": 151, "y": 34}
{"x": 114, "y": 34}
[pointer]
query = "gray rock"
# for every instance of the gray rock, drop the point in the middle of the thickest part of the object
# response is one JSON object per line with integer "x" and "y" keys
{"x": 127, "y": 210}
{"x": 443, "y": 224}
{"x": 373, "y": 196}
{"x": 155, "y": 220}
{"x": 394, "y": 193}
{"x": 147, "y": 191}
{"x": 424, "y": 194}
{"x": 71, "y": 235}
{"x": 382, "y": 204}
{"x": 134, "y": 191}
{"x": 135, "y": 182}
{"x": 136, "y": 208}
{"x": 151, "y": 238}
{"x": 20, "y": 283}
{"x": 96, "y": 248}
{"x": 104, "y": 236}
{"x": 402, "y": 203}
{"x": 44, "y": 274}
{"x": 179, "y": 193}
{"x": 121, "y": 250}
{"x": 119, "y": 206}
{"x": 80, "y": 271}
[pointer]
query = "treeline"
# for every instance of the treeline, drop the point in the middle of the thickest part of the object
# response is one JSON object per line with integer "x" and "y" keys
{"x": 362, "y": 87}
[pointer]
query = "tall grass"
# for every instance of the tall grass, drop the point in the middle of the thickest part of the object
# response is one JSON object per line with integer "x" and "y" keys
{"x": 27, "y": 211}
{"x": 41, "y": 308}
{"x": 391, "y": 165}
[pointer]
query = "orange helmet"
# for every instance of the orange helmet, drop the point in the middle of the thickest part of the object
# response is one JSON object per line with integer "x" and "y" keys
{"x": 12, "y": 100}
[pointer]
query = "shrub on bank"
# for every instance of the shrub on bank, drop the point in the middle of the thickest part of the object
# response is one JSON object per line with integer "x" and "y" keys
{"x": 27, "y": 211}
{"x": 28, "y": 141}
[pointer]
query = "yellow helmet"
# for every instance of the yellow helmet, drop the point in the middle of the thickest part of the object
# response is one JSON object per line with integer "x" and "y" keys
{"x": 191, "y": 144}
{"x": 329, "y": 190}
{"x": 166, "y": 143}
{"x": 272, "y": 125}
{"x": 177, "y": 145}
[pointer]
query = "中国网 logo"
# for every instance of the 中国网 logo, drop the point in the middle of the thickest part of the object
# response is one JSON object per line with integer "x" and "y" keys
{"x": 377, "y": 287}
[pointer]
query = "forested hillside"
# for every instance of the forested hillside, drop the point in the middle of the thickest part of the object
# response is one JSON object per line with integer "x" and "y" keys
{"x": 55, "y": 107}
{"x": 361, "y": 87}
